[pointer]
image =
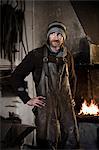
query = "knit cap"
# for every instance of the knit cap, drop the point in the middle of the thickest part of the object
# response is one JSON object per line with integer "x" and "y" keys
{"x": 57, "y": 27}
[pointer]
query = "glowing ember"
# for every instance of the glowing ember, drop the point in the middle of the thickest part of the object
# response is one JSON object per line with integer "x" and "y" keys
{"x": 91, "y": 109}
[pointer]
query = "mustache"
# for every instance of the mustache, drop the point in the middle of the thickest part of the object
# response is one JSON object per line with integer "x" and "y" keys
{"x": 55, "y": 40}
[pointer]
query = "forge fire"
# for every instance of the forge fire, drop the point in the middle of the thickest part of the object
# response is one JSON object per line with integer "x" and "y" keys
{"x": 91, "y": 108}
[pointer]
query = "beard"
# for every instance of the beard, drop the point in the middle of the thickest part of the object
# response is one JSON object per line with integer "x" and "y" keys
{"x": 55, "y": 43}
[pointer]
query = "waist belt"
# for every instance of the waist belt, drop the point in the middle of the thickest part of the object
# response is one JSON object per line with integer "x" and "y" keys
{"x": 53, "y": 59}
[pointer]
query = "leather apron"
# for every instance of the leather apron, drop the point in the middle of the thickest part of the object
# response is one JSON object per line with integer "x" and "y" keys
{"x": 55, "y": 122}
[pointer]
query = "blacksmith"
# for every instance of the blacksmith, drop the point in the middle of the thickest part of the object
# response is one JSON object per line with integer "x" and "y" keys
{"x": 53, "y": 72}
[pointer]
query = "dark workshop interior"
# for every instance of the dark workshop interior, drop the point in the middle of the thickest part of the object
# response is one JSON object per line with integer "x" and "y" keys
{"x": 23, "y": 28}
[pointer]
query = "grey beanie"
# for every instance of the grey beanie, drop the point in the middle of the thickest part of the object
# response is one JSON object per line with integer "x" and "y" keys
{"x": 57, "y": 27}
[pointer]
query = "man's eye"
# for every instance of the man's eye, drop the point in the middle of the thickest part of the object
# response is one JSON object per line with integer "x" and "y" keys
{"x": 52, "y": 34}
{"x": 58, "y": 34}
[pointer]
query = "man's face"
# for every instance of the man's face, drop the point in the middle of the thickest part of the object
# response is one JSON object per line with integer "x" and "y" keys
{"x": 56, "y": 40}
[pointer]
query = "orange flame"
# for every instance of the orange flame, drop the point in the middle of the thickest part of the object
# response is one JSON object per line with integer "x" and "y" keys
{"x": 91, "y": 109}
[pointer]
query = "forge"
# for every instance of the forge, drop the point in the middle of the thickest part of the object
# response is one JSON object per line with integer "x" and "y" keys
{"x": 87, "y": 94}
{"x": 88, "y": 123}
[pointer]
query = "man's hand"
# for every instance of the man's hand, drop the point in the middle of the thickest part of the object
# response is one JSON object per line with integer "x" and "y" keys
{"x": 38, "y": 101}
